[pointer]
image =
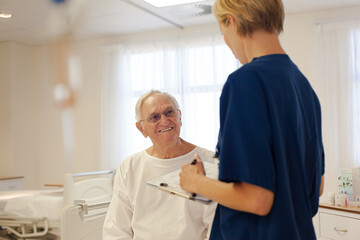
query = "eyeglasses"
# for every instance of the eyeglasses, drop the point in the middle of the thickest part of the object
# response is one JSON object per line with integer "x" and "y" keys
{"x": 155, "y": 117}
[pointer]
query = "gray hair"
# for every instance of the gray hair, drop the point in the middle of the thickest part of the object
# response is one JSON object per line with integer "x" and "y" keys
{"x": 148, "y": 94}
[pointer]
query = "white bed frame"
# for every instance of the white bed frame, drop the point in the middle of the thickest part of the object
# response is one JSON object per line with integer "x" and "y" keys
{"x": 19, "y": 226}
{"x": 85, "y": 206}
{"x": 79, "y": 222}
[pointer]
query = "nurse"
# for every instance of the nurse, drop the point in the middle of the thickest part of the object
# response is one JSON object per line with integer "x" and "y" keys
{"x": 270, "y": 144}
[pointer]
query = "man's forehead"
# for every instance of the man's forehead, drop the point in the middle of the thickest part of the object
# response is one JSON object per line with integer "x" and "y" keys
{"x": 156, "y": 102}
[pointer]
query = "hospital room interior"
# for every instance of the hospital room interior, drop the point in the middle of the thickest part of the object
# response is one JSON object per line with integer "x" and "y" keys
{"x": 71, "y": 72}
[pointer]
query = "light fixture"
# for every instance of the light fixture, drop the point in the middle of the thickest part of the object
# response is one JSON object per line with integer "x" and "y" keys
{"x": 168, "y": 3}
{"x": 5, "y": 15}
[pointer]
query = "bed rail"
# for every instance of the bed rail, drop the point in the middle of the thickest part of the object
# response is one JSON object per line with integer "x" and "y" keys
{"x": 85, "y": 208}
{"x": 93, "y": 173}
{"x": 19, "y": 226}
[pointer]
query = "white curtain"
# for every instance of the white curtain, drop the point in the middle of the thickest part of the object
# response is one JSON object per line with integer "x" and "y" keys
{"x": 192, "y": 70}
{"x": 337, "y": 83}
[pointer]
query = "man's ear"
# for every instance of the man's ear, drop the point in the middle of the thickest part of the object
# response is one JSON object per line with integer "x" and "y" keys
{"x": 141, "y": 129}
{"x": 179, "y": 112}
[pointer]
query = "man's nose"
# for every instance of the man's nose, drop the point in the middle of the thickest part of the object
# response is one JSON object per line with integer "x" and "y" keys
{"x": 163, "y": 118}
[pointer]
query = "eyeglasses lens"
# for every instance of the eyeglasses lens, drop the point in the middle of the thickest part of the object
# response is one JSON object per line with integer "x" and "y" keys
{"x": 157, "y": 116}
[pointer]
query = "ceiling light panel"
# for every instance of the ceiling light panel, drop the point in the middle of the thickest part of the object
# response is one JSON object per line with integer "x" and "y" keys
{"x": 5, "y": 15}
{"x": 167, "y": 3}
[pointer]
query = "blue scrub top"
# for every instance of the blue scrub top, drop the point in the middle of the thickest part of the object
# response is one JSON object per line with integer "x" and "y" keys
{"x": 270, "y": 136}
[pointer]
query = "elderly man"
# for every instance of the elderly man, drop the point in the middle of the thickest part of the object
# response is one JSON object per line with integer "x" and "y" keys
{"x": 140, "y": 211}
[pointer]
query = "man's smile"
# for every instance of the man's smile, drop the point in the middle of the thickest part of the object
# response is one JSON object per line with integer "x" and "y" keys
{"x": 166, "y": 130}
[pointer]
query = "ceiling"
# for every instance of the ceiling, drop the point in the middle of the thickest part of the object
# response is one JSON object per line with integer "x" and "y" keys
{"x": 36, "y": 22}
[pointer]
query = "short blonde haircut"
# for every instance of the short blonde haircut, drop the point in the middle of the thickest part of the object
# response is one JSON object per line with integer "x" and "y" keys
{"x": 251, "y": 15}
{"x": 148, "y": 94}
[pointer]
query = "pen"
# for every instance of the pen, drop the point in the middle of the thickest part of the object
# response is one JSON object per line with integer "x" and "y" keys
{"x": 193, "y": 163}
{"x": 175, "y": 193}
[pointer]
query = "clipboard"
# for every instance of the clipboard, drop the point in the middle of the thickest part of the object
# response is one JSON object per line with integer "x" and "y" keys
{"x": 170, "y": 182}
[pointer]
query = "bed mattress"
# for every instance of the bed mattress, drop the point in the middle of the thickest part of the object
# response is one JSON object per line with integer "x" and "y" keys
{"x": 32, "y": 204}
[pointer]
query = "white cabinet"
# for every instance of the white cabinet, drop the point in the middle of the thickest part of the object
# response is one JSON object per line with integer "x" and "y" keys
{"x": 11, "y": 183}
{"x": 335, "y": 223}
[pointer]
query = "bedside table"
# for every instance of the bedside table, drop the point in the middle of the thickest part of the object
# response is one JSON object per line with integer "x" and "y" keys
{"x": 11, "y": 183}
{"x": 334, "y": 222}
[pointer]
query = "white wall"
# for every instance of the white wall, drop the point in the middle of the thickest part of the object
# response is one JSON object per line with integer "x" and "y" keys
{"x": 86, "y": 116}
{"x": 5, "y": 110}
{"x": 17, "y": 112}
{"x": 88, "y": 107}
{"x": 48, "y": 133}
{"x": 22, "y": 112}
{"x": 31, "y": 142}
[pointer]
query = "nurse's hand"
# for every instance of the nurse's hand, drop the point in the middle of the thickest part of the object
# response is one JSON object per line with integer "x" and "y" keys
{"x": 190, "y": 174}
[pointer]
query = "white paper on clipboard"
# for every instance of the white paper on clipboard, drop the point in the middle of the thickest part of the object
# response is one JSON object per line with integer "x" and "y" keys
{"x": 171, "y": 182}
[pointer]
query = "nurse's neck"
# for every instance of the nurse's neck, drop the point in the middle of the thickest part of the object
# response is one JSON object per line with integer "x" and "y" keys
{"x": 262, "y": 43}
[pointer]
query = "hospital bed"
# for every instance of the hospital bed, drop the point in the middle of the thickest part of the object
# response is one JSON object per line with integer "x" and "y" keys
{"x": 74, "y": 212}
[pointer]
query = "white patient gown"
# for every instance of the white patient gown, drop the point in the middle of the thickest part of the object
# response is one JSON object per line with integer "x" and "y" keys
{"x": 142, "y": 212}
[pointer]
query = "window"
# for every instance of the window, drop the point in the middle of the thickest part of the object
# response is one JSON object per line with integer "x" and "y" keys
{"x": 355, "y": 69}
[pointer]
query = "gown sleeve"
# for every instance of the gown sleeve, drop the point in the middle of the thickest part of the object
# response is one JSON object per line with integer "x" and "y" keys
{"x": 117, "y": 225}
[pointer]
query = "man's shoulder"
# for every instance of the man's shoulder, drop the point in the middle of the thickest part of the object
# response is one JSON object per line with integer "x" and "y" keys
{"x": 203, "y": 150}
{"x": 133, "y": 159}
{"x": 205, "y": 154}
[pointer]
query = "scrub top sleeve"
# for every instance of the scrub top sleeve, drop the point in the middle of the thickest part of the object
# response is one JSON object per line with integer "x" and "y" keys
{"x": 322, "y": 162}
{"x": 246, "y": 145}
{"x": 322, "y": 145}
{"x": 117, "y": 223}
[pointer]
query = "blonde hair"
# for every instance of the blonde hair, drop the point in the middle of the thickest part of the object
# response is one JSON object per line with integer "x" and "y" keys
{"x": 148, "y": 94}
{"x": 251, "y": 15}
